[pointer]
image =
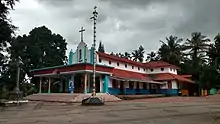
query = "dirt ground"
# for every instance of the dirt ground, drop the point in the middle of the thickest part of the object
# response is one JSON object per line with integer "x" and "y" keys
{"x": 172, "y": 110}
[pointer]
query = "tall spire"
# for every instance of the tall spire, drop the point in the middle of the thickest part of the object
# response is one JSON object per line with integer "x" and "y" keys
{"x": 81, "y": 32}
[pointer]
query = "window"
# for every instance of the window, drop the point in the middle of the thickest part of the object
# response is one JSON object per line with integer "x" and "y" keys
{"x": 171, "y": 69}
{"x": 138, "y": 68}
{"x": 145, "y": 86}
{"x": 117, "y": 64}
{"x": 125, "y": 65}
{"x": 132, "y": 67}
{"x": 144, "y": 69}
{"x": 151, "y": 70}
{"x": 114, "y": 84}
{"x": 100, "y": 60}
{"x": 80, "y": 55}
{"x": 162, "y": 69}
{"x": 109, "y": 62}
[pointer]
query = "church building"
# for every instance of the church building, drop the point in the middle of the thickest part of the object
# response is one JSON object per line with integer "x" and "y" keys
{"x": 113, "y": 75}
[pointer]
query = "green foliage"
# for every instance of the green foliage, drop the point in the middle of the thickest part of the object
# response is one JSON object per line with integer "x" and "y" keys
{"x": 138, "y": 55}
{"x": 101, "y": 47}
{"x": 170, "y": 51}
{"x": 152, "y": 56}
{"x": 41, "y": 48}
{"x": 6, "y": 35}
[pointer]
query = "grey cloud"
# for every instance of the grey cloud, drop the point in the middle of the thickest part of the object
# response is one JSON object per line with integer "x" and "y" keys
{"x": 123, "y": 25}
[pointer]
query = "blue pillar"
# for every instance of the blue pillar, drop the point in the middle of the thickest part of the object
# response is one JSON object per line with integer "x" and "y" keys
{"x": 105, "y": 88}
{"x": 71, "y": 84}
{"x": 91, "y": 55}
{"x": 70, "y": 61}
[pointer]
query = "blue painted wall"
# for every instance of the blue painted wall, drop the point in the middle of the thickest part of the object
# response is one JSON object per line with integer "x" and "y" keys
{"x": 142, "y": 91}
{"x": 130, "y": 91}
{"x": 169, "y": 91}
{"x": 114, "y": 91}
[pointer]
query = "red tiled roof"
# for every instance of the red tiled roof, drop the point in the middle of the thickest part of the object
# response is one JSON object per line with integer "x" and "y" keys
{"x": 169, "y": 76}
{"x": 186, "y": 76}
{"x": 116, "y": 58}
{"x": 155, "y": 64}
{"x": 128, "y": 74}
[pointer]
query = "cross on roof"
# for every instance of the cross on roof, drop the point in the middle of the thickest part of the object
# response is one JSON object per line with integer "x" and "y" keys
{"x": 81, "y": 31}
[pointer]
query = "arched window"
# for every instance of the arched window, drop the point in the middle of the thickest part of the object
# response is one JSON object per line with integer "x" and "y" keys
{"x": 80, "y": 55}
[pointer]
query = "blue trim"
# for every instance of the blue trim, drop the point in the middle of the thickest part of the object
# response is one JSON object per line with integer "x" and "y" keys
{"x": 143, "y": 91}
{"x": 91, "y": 55}
{"x": 130, "y": 91}
{"x": 169, "y": 91}
{"x": 114, "y": 91}
{"x": 105, "y": 88}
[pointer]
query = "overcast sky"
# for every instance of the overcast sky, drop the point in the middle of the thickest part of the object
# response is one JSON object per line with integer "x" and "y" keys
{"x": 123, "y": 25}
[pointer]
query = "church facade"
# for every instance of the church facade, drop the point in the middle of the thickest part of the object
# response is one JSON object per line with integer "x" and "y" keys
{"x": 114, "y": 75}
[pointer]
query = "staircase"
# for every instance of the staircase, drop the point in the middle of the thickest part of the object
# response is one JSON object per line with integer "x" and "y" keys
{"x": 69, "y": 98}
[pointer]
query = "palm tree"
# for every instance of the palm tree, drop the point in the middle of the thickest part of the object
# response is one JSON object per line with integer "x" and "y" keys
{"x": 196, "y": 47}
{"x": 127, "y": 55}
{"x": 152, "y": 56}
{"x": 170, "y": 51}
{"x": 135, "y": 55}
{"x": 138, "y": 55}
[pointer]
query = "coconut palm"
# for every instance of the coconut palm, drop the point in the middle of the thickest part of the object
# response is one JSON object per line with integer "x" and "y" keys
{"x": 152, "y": 56}
{"x": 138, "y": 55}
{"x": 197, "y": 46}
{"x": 170, "y": 51}
{"x": 127, "y": 55}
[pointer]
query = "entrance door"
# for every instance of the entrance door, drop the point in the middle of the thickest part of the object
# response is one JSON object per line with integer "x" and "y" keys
{"x": 138, "y": 87}
{"x": 97, "y": 85}
{"x": 121, "y": 88}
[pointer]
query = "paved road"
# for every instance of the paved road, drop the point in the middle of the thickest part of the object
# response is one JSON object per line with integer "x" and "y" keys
{"x": 169, "y": 111}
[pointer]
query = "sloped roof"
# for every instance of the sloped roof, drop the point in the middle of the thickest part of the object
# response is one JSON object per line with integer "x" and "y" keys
{"x": 157, "y": 64}
{"x": 169, "y": 76}
{"x": 116, "y": 58}
{"x": 154, "y": 64}
{"x": 128, "y": 75}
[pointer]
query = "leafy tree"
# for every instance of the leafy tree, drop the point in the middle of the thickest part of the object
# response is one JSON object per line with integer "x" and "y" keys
{"x": 138, "y": 55}
{"x": 214, "y": 51}
{"x": 196, "y": 46}
{"x": 40, "y": 48}
{"x": 135, "y": 55}
{"x": 152, "y": 56}
{"x": 6, "y": 33}
{"x": 170, "y": 51}
{"x": 127, "y": 55}
{"x": 101, "y": 47}
{"x": 111, "y": 53}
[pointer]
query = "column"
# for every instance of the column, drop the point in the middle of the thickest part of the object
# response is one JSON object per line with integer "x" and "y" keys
{"x": 40, "y": 85}
{"x": 105, "y": 88}
{"x": 101, "y": 84}
{"x": 49, "y": 85}
{"x": 85, "y": 83}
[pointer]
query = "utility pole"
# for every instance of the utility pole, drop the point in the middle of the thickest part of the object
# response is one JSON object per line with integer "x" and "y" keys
{"x": 94, "y": 18}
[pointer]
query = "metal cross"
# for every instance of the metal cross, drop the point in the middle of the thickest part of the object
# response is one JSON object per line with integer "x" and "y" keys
{"x": 81, "y": 31}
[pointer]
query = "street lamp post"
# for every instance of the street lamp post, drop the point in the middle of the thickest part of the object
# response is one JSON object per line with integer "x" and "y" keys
{"x": 17, "y": 94}
{"x": 94, "y": 18}
{"x": 93, "y": 100}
